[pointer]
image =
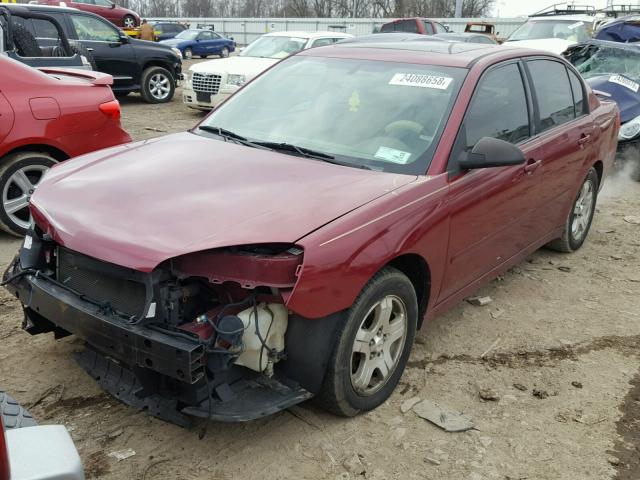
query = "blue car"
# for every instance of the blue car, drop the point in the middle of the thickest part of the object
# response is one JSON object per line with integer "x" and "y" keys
{"x": 167, "y": 30}
{"x": 624, "y": 29}
{"x": 202, "y": 43}
{"x": 614, "y": 69}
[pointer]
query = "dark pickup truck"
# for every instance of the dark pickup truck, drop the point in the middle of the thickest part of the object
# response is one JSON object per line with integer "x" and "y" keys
{"x": 136, "y": 65}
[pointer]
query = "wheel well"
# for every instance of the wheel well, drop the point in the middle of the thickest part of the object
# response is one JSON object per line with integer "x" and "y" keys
{"x": 56, "y": 153}
{"x": 156, "y": 63}
{"x": 417, "y": 270}
{"x": 599, "y": 170}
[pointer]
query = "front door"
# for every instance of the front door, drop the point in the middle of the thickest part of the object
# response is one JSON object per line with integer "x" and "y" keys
{"x": 113, "y": 54}
{"x": 490, "y": 208}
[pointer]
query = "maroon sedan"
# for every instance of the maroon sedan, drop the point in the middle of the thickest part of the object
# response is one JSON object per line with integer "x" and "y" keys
{"x": 47, "y": 116}
{"x": 119, "y": 16}
{"x": 292, "y": 243}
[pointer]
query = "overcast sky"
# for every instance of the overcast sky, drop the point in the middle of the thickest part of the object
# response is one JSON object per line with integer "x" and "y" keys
{"x": 514, "y": 8}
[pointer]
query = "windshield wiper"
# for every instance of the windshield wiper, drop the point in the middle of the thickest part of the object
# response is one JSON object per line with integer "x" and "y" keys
{"x": 302, "y": 151}
{"x": 223, "y": 132}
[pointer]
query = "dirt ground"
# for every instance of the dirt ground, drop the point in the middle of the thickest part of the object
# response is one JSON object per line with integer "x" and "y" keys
{"x": 556, "y": 349}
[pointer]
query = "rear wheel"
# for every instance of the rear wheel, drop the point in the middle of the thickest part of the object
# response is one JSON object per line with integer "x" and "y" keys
{"x": 158, "y": 85}
{"x": 580, "y": 217}
{"x": 224, "y": 53}
{"x": 19, "y": 177}
{"x": 372, "y": 345}
{"x": 129, "y": 21}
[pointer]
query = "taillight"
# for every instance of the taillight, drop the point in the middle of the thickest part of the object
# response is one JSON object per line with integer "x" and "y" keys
{"x": 4, "y": 454}
{"x": 111, "y": 109}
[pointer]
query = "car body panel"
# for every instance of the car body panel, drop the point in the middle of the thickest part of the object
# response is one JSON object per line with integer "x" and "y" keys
{"x": 79, "y": 128}
{"x": 231, "y": 206}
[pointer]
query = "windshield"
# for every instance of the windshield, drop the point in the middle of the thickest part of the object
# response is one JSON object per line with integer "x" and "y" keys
{"x": 188, "y": 34}
{"x": 594, "y": 60}
{"x": 384, "y": 116}
{"x": 274, "y": 47}
{"x": 571, "y": 30}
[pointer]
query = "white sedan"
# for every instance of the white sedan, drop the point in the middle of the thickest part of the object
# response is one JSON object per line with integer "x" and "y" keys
{"x": 209, "y": 83}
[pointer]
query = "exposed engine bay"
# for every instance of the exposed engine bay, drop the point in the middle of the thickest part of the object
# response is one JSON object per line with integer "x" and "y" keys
{"x": 200, "y": 335}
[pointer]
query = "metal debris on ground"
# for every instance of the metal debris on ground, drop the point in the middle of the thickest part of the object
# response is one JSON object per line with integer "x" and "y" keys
{"x": 540, "y": 394}
{"x": 491, "y": 347}
{"x": 122, "y": 454}
{"x": 444, "y": 418}
{"x": 632, "y": 219}
{"x": 576, "y": 384}
{"x": 479, "y": 301}
{"x": 564, "y": 269}
{"x": 520, "y": 387}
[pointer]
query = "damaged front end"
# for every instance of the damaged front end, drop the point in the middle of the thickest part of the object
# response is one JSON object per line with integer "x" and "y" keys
{"x": 201, "y": 335}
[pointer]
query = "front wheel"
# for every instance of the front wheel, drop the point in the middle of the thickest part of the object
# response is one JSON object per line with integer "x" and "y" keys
{"x": 157, "y": 85}
{"x": 19, "y": 176}
{"x": 372, "y": 345}
{"x": 188, "y": 53}
{"x": 580, "y": 217}
{"x": 224, "y": 53}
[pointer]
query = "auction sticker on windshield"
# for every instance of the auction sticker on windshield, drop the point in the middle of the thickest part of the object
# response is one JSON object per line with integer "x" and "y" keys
{"x": 625, "y": 82}
{"x": 420, "y": 80}
{"x": 393, "y": 155}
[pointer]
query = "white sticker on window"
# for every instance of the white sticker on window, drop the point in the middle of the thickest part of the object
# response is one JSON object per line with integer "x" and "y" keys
{"x": 28, "y": 241}
{"x": 625, "y": 82}
{"x": 420, "y": 80}
{"x": 393, "y": 155}
{"x": 573, "y": 26}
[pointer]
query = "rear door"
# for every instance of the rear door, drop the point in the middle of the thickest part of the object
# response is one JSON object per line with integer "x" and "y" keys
{"x": 490, "y": 219}
{"x": 565, "y": 128}
{"x": 113, "y": 54}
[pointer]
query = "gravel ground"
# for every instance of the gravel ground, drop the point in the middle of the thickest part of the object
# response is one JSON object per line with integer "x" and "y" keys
{"x": 555, "y": 355}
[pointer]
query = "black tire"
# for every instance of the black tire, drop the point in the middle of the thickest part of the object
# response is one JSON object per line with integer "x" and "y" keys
{"x": 120, "y": 94}
{"x": 148, "y": 77}
{"x": 224, "y": 53}
{"x": 188, "y": 53}
{"x": 14, "y": 415}
{"x": 129, "y": 21}
{"x": 80, "y": 49}
{"x": 571, "y": 241}
{"x": 338, "y": 394}
{"x": 204, "y": 56}
{"x": 25, "y": 43}
{"x": 39, "y": 163}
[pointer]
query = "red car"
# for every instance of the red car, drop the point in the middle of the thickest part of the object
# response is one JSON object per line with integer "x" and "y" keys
{"x": 48, "y": 115}
{"x": 423, "y": 26}
{"x": 291, "y": 244}
{"x": 122, "y": 17}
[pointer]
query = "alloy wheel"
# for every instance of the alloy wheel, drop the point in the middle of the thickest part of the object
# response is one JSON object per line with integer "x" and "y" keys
{"x": 582, "y": 211}
{"x": 17, "y": 192}
{"x": 159, "y": 86}
{"x": 225, "y": 52}
{"x": 378, "y": 345}
{"x": 129, "y": 22}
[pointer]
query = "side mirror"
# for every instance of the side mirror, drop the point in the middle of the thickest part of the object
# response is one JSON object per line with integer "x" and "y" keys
{"x": 113, "y": 5}
{"x": 491, "y": 152}
{"x": 124, "y": 38}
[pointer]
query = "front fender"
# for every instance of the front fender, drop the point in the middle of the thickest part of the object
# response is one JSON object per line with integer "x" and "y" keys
{"x": 341, "y": 257}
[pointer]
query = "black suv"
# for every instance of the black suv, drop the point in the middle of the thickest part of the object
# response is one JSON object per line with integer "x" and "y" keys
{"x": 136, "y": 65}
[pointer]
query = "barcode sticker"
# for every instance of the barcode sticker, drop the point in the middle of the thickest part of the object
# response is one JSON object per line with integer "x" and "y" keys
{"x": 420, "y": 80}
{"x": 625, "y": 82}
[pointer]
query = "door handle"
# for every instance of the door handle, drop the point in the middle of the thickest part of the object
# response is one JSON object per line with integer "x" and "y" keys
{"x": 89, "y": 49}
{"x": 584, "y": 138}
{"x": 532, "y": 166}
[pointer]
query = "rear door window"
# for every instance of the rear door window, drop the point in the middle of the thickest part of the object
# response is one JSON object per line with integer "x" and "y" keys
{"x": 46, "y": 29}
{"x": 92, "y": 29}
{"x": 552, "y": 92}
{"x": 579, "y": 98}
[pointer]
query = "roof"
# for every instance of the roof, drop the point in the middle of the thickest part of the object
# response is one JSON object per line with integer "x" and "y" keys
{"x": 460, "y": 36}
{"x": 37, "y": 6}
{"x": 423, "y": 50}
{"x": 301, "y": 34}
{"x": 619, "y": 20}
{"x": 565, "y": 18}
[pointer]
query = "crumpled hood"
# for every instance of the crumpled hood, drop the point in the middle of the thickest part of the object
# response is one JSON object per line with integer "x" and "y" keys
{"x": 139, "y": 204}
{"x": 627, "y": 99}
{"x": 553, "y": 45}
{"x": 248, "y": 66}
